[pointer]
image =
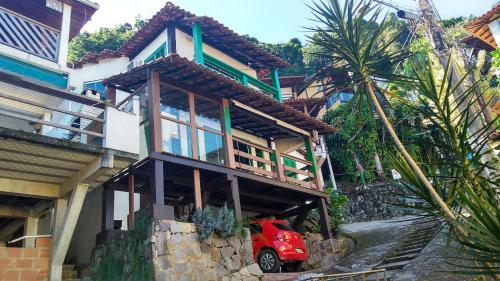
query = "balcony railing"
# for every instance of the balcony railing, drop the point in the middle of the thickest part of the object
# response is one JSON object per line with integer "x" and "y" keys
{"x": 238, "y": 75}
{"x": 27, "y": 35}
{"x": 267, "y": 162}
{"x": 51, "y": 116}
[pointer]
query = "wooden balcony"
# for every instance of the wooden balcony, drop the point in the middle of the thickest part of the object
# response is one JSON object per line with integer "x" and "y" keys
{"x": 28, "y": 35}
{"x": 264, "y": 161}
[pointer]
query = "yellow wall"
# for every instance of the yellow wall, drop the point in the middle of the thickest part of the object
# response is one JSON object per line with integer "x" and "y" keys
{"x": 185, "y": 49}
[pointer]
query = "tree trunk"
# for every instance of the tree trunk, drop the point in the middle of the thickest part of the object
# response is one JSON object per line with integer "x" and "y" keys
{"x": 373, "y": 97}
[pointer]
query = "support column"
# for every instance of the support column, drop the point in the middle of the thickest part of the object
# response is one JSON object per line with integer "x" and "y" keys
{"x": 154, "y": 116}
{"x": 60, "y": 206}
{"x": 64, "y": 234}
{"x": 131, "y": 193}
{"x": 276, "y": 84}
{"x": 157, "y": 190}
{"x": 228, "y": 137}
{"x": 324, "y": 219}
{"x": 235, "y": 198}
{"x": 171, "y": 39}
{"x": 108, "y": 209}
{"x": 312, "y": 158}
{"x": 198, "y": 44}
{"x": 111, "y": 95}
{"x": 198, "y": 203}
{"x": 30, "y": 228}
{"x": 64, "y": 37}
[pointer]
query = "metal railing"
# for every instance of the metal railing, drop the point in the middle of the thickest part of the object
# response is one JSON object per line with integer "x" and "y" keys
{"x": 379, "y": 274}
{"x": 51, "y": 116}
{"x": 28, "y": 35}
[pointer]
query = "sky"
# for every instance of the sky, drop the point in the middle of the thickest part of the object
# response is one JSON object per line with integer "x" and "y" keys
{"x": 270, "y": 21}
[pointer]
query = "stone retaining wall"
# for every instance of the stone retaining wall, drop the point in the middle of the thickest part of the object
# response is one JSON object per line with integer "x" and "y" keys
{"x": 376, "y": 202}
{"x": 177, "y": 254}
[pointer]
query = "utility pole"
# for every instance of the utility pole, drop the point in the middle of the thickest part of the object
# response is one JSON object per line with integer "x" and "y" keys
{"x": 438, "y": 42}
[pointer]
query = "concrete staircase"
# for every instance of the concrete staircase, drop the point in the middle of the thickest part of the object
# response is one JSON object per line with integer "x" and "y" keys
{"x": 422, "y": 233}
{"x": 70, "y": 273}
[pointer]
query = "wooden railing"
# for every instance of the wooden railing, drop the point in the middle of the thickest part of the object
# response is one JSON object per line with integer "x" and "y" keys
{"x": 27, "y": 35}
{"x": 54, "y": 117}
{"x": 265, "y": 161}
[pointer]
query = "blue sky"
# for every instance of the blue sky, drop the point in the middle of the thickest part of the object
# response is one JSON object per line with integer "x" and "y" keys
{"x": 269, "y": 21}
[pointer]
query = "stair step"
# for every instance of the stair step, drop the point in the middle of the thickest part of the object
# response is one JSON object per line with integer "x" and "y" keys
{"x": 400, "y": 258}
{"x": 393, "y": 265}
{"x": 68, "y": 267}
{"x": 70, "y": 274}
{"x": 408, "y": 252}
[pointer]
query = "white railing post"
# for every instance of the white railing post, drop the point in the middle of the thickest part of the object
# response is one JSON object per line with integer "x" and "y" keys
{"x": 64, "y": 39}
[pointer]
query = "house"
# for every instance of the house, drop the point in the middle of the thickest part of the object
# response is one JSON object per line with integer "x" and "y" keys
{"x": 176, "y": 119}
{"x": 484, "y": 31}
{"x": 57, "y": 143}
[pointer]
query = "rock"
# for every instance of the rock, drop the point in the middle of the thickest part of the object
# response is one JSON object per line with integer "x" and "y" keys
{"x": 227, "y": 253}
{"x": 181, "y": 227}
{"x": 236, "y": 276}
{"x": 222, "y": 271}
{"x": 219, "y": 242}
{"x": 216, "y": 255}
{"x": 255, "y": 270}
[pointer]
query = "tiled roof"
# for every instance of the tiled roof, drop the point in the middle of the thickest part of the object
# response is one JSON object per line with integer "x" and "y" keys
{"x": 214, "y": 33}
{"x": 191, "y": 76}
{"x": 479, "y": 27}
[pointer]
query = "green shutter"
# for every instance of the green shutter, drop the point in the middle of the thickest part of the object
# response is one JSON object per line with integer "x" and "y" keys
{"x": 158, "y": 53}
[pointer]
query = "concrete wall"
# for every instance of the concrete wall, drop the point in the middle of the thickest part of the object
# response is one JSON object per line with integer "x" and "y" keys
{"x": 122, "y": 129}
{"x": 96, "y": 71}
{"x": 149, "y": 49}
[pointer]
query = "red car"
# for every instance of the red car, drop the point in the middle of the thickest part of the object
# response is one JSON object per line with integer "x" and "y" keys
{"x": 276, "y": 243}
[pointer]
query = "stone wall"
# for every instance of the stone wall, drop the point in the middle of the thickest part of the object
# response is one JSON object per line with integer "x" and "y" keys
{"x": 323, "y": 253}
{"x": 178, "y": 254}
{"x": 25, "y": 263}
{"x": 376, "y": 202}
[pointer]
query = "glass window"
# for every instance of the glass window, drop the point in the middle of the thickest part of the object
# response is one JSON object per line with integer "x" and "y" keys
{"x": 255, "y": 229}
{"x": 176, "y": 138}
{"x": 210, "y": 147}
{"x": 282, "y": 226}
{"x": 174, "y": 104}
{"x": 207, "y": 114}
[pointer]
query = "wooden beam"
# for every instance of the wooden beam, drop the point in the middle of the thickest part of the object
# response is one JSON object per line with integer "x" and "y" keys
{"x": 111, "y": 95}
{"x": 131, "y": 193}
{"x": 65, "y": 232}
{"x": 171, "y": 38}
{"x": 228, "y": 137}
{"x": 197, "y": 189}
{"x": 154, "y": 111}
{"x": 312, "y": 158}
{"x": 235, "y": 198}
{"x": 28, "y": 188}
{"x": 273, "y": 120}
{"x": 87, "y": 174}
{"x": 12, "y": 211}
{"x": 324, "y": 219}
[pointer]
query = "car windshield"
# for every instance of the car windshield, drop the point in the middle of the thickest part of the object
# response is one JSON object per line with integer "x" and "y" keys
{"x": 281, "y": 226}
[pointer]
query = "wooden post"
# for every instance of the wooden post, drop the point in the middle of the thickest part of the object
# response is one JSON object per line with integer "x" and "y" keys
{"x": 276, "y": 158}
{"x": 198, "y": 44}
{"x": 192, "y": 124}
{"x": 111, "y": 95}
{"x": 154, "y": 111}
{"x": 197, "y": 189}
{"x": 324, "y": 219}
{"x": 171, "y": 39}
{"x": 108, "y": 209}
{"x": 312, "y": 158}
{"x": 228, "y": 137}
{"x": 235, "y": 198}
{"x": 276, "y": 84}
{"x": 131, "y": 193}
{"x": 157, "y": 190}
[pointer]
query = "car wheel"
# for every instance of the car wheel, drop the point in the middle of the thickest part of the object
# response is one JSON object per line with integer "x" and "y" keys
{"x": 268, "y": 261}
{"x": 293, "y": 266}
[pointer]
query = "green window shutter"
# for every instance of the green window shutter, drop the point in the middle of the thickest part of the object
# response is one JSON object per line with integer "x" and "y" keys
{"x": 158, "y": 53}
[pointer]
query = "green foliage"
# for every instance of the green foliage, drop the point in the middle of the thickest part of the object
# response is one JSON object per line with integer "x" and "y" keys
{"x": 203, "y": 219}
{"x": 223, "y": 223}
{"x": 123, "y": 258}
{"x": 357, "y": 135}
{"x": 495, "y": 58}
{"x": 460, "y": 162}
{"x": 104, "y": 38}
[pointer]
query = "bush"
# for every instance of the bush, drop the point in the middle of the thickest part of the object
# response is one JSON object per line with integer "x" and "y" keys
{"x": 224, "y": 223}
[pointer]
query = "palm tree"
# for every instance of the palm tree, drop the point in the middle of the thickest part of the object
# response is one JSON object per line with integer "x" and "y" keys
{"x": 352, "y": 40}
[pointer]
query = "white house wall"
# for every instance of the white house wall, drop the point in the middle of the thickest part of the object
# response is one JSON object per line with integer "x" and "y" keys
{"x": 149, "y": 49}
{"x": 97, "y": 71}
{"x": 495, "y": 30}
